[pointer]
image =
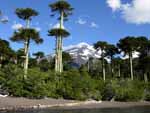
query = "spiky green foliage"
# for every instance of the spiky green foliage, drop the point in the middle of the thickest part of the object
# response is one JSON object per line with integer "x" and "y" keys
{"x": 26, "y": 13}
{"x": 25, "y": 34}
{"x": 111, "y": 50}
{"x": 61, "y": 5}
{"x": 58, "y": 32}
{"x": 101, "y": 45}
{"x": 39, "y": 54}
{"x": 128, "y": 44}
{"x": 6, "y": 53}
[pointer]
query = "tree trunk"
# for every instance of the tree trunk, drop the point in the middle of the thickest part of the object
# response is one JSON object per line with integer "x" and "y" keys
{"x": 59, "y": 56}
{"x": 61, "y": 64}
{"x": 56, "y": 55}
{"x": 145, "y": 77}
{"x": 131, "y": 65}
{"x": 119, "y": 72}
{"x": 103, "y": 66}
{"x": 26, "y": 59}
{"x": 112, "y": 69}
{"x": 88, "y": 65}
{"x": 1, "y": 59}
{"x": 26, "y": 50}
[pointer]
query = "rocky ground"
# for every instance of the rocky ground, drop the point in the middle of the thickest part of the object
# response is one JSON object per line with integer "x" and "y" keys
{"x": 11, "y": 103}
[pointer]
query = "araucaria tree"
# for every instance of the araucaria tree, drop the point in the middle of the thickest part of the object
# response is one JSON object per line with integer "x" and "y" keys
{"x": 5, "y": 51}
{"x": 24, "y": 35}
{"x": 111, "y": 51}
{"x": 58, "y": 33}
{"x": 128, "y": 45}
{"x": 100, "y": 45}
{"x": 38, "y": 56}
{"x": 63, "y": 9}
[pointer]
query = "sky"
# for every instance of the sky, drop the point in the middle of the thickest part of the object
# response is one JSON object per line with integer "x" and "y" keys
{"x": 92, "y": 21}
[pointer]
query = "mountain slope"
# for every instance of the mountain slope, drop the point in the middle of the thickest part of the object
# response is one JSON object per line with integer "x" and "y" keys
{"x": 82, "y": 52}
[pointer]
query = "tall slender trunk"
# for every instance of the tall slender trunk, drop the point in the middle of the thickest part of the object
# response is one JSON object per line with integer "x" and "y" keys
{"x": 131, "y": 65}
{"x": 26, "y": 59}
{"x": 88, "y": 65}
{"x": 26, "y": 50}
{"x": 61, "y": 64}
{"x": 56, "y": 55}
{"x": 112, "y": 69}
{"x": 145, "y": 77}
{"x": 103, "y": 66}
{"x": 119, "y": 72}
{"x": 1, "y": 59}
{"x": 59, "y": 56}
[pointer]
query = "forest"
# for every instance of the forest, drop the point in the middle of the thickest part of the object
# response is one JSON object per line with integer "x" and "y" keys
{"x": 108, "y": 78}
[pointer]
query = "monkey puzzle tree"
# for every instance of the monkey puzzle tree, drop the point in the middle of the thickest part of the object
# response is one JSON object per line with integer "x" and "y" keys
{"x": 100, "y": 45}
{"x": 144, "y": 59}
{"x": 117, "y": 63}
{"x": 111, "y": 50}
{"x": 26, "y": 35}
{"x": 143, "y": 47}
{"x": 145, "y": 65}
{"x": 38, "y": 56}
{"x": 5, "y": 51}
{"x": 63, "y": 9}
{"x": 128, "y": 45}
{"x": 25, "y": 14}
{"x": 57, "y": 33}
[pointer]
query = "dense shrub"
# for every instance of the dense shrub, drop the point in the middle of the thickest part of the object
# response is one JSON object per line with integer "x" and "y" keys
{"x": 79, "y": 86}
{"x": 147, "y": 92}
{"x": 108, "y": 92}
{"x": 129, "y": 91}
{"x": 34, "y": 85}
{"x": 73, "y": 84}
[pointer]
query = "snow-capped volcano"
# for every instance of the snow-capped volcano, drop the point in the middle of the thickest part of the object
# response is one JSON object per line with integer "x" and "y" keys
{"x": 82, "y": 52}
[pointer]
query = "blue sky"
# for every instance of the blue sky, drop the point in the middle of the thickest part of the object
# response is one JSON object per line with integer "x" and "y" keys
{"x": 92, "y": 20}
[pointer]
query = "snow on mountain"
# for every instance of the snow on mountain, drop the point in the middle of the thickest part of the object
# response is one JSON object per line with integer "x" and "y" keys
{"x": 82, "y": 52}
{"x": 135, "y": 55}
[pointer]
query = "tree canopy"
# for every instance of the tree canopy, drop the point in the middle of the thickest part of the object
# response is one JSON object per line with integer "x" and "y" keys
{"x": 26, "y": 13}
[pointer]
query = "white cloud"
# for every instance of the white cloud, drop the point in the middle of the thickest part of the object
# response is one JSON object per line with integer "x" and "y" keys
{"x": 17, "y": 26}
{"x": 134, "y": 54}
{"x": 58, "y": 26}
{"x": 4, "y": 19}
{"x": 136, "y": 12}
{"x": 38, "y": 29}
{"x": 81, "y": 21}
{"x": 114, "y": 4}
{"x": 94, "y": 25}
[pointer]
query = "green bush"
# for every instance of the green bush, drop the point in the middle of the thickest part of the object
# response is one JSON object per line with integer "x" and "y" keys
{"x": 77, "y": 85}
{"x": 12, "y": 80}
{"x": 73, "y": 84}
{"x": 34, "y": 85}
{"x": 147, "y": 92}
{"x": 129, "y": 91}
{"x": 108, "y": 91}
